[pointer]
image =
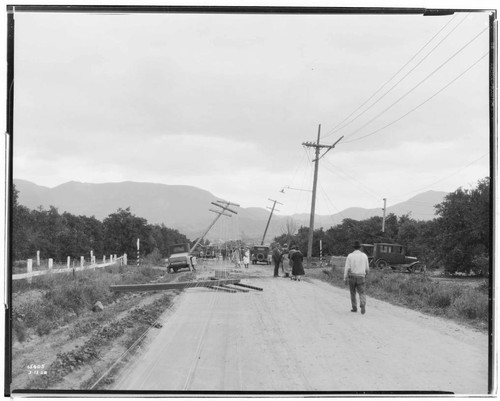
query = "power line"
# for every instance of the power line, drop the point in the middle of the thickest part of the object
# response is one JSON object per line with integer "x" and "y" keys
{"x": 420, "y": 83}
{"x": 416, "y": 107}
{"x": 337, "y": 128}
{"x": 367, "y": 190}
{"x": 449, "y": 175}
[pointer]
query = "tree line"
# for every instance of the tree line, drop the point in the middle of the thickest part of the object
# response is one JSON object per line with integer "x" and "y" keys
{"x": 59, "y": 235}
{"x": 458, "y": 238}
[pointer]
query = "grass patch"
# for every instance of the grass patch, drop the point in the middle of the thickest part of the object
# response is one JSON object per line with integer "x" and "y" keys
{"x": 63, "y": 297}
{"x": 454, "y": 300}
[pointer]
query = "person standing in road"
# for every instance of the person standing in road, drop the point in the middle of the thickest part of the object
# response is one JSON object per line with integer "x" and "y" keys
{"x": 236, "y": 258}
{"x": 276, "y": 257}
{"x": 246, "y": 258}
{"x": 296, "y": 259}
{"x": 285, "y": 263}
{"x": 356, "y": 269}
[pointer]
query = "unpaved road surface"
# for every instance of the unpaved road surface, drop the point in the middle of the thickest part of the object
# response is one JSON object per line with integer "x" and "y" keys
{"x": 301, "y": 336}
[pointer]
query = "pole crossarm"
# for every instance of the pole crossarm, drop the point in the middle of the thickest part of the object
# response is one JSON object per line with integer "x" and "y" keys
{"x": 315, "y": 145}
{"x": 220, "y": 212}
{"x": 228, "y": 203}
{"x": 225, "y": 207}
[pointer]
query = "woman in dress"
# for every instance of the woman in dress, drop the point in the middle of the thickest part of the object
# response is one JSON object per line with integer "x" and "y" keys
{"x": 246, "y": 258}
{"x": 296, "y": 259}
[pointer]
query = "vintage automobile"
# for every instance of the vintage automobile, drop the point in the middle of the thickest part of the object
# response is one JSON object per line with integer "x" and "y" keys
{"x": 180, "y": 258}
{"x": 383, "y": 255}
{"x": 260, "y": 254}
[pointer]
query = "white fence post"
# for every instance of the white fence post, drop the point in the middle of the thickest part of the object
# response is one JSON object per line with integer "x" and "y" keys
{"x": 38, "y": 258}
{"x": 29, "y": 269}
{"x": 125, "y": 259}
{"x": 51, "y": 263}
{"x": 82, "y": 261}
{"x": 69, "y": 262}
{"x": 104, "y": 259}
{"x": 110, "y": 258}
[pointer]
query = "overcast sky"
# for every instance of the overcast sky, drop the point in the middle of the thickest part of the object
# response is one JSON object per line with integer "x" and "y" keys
{"x": 224, "y": 103}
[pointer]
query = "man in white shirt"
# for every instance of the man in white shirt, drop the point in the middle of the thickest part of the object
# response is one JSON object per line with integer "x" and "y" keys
{"x": 356, "y": 269}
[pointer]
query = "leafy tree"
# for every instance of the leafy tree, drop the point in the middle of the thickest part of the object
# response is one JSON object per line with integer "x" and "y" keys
{"x": 121, "y": 231}
{"x": 22, "y": 228}
{"x": 464, "y": 227}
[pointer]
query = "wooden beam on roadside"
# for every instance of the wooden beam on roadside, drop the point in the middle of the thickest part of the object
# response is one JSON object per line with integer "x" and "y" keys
{"x": 170, "y": 286}
{"x": 249, "y": 286}
{"x": 220, "y": 288}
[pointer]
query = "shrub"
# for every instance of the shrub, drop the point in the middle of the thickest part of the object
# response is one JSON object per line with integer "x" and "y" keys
{"x": 44, "y": 327}
{"x": 19, "y": 329}
{"x": 154, "y": 258}
{"x": 481, "y": 265}
{"x": 471, "y": 304}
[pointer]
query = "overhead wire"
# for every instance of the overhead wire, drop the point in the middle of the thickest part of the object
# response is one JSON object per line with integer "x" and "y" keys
{"x": 365, "y": 187}
{"x": 413, "y": 109}
{"x": 449, "y": 175}
{"x": 420, "y": 83}
{"x": 339, "y": 127}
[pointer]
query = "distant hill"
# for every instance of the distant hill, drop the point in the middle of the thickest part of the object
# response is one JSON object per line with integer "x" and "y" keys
{"x": 185, "y": 207}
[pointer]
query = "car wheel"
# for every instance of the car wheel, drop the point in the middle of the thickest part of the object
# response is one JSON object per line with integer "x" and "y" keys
{"x": 381, "y": 264}
{"x": 417, "y": 267}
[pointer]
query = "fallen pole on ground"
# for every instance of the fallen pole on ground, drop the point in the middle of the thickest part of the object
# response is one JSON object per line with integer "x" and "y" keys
{"x": 248, "y": 286}
{"x": 234, "y": 288}
{"x": 220, "y": 288}
{"x": 170, "y": 286}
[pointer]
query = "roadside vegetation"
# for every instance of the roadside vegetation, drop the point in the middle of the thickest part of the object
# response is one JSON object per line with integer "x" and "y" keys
{"x": 55, "y": 324}
{"x": 464, "y": 300}
{"x": 457, "y": 240}
{"x": 52, "y": 301}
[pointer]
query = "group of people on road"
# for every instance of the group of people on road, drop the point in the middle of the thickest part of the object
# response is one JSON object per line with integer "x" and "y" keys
{"x": 236, "y": 259}
{"x": 288, "y": 259}
{"x": 355, "y": 270}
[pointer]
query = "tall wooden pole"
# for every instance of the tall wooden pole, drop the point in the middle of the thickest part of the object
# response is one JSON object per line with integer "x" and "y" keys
{"x": 313, "y": 201}
{"x": 317, "y": 147}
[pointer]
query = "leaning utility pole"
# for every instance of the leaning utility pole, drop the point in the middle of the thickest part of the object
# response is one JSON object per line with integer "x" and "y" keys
{"x": 269, "y": 220}
{"x": 225, "y": 207}
{"x": 317, "y": 147}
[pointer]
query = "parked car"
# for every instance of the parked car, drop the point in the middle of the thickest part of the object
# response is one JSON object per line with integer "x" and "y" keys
{"x": 260, "y": 254}
{"x": 383, "y": 255}
{"x": 180, "y": 258}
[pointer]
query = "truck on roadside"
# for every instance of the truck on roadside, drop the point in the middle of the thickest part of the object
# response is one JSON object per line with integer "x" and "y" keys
{"x": 180, "y": 258}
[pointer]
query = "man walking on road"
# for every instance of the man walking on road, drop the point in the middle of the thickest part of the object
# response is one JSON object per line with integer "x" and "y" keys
{"x": 356, "y": 268}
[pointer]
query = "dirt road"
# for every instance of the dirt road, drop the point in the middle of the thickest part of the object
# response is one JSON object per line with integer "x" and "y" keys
{"x": 301, "y": 336}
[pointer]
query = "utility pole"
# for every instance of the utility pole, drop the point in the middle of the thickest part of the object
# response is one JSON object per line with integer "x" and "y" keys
{"x": 269, "y": 220}
{"x": 225, "y": 207}
{"x": 317, "y": 147}
{"x": 383, "y": 218}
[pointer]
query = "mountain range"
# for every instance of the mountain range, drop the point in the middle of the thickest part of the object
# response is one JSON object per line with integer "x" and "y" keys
{"x": 186, "y": 208}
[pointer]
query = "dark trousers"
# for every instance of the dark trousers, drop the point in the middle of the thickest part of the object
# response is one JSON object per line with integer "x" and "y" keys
{"x": 276, "y": 268}
{"x": 357, "y": 283}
